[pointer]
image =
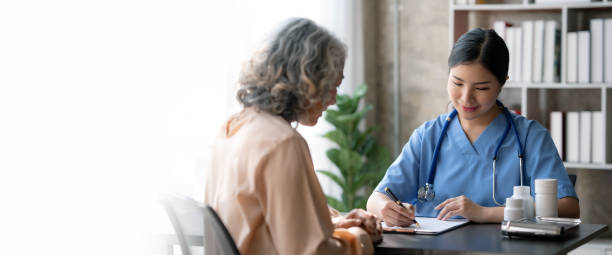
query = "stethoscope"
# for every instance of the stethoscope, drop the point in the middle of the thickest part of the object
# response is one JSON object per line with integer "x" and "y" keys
{"x": 427, "y": 193}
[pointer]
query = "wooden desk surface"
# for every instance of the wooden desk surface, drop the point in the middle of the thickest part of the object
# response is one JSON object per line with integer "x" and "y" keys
{"x": 487, "y": 238}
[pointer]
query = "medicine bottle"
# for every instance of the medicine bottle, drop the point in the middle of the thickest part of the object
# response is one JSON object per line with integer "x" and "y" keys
{"x": 513, "y": 209}
{"x": 546, "y": 197}
{"x": 523, "y": 193}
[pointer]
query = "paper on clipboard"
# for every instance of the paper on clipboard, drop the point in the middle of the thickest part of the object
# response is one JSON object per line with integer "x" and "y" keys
{"x": 429, "y": 226}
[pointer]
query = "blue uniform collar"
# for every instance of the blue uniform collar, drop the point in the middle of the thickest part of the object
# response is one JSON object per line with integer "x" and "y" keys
{"x": 483, "y": 144}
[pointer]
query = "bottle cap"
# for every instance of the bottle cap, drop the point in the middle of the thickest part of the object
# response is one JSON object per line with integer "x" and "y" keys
{"x": 522, "y": 190}
{"x": 546, "y": 186}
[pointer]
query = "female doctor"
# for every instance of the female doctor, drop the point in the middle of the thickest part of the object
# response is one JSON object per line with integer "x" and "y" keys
{"x": 463, "y": 179}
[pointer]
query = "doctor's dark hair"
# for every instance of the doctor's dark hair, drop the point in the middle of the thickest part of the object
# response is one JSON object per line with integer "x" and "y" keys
{"x": 298, "y": 67}
{"x": 482, "y": 46}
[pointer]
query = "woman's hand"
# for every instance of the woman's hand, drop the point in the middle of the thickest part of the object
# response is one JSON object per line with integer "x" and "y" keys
{"x": 460, "y": 206}
{"x": 360, "y": 218}
{"x": 367, "y": 244}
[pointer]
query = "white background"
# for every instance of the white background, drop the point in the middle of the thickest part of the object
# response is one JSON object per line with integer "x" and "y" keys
{"x": 104, "y": 104}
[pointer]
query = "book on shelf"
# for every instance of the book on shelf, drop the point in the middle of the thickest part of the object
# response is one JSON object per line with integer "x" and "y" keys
{"x": 516, "y": 109}
{"x": 510, "y": 35}
{"x": 510, "y": 44}
{"x": 466, "y": 2}
{"x": 599, "y": 145}
{"x": 572, "y": 133}
{"x": 561, "y": 1}
{"x": 597, "y": 50}
{"x": 518, "y": 53}
{"x": 527, "y": 73}
{"x": 608, "y": 50}
{"x": 538, "y": 50}
{"x": 556, "y": 131}
{"x": 572, "y": 57}
{"x": 584, "y": 56}
{"x": 552, "y": 50}
{"x": 586, "y": 130}
{"x": 500, "y": 27}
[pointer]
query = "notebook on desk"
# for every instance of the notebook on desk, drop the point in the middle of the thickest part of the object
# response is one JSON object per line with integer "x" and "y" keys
{"x": 429, "y": 226}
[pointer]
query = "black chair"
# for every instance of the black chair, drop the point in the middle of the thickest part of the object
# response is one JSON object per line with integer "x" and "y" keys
{"x": 218, "y": 240}
{"x": 187, "y": 218}
{"x": 572, "y": 178}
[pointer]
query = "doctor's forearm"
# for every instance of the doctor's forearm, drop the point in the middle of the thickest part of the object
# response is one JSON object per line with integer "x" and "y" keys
{"x": 569, "y": 207}
{"x": 491, "y": 215}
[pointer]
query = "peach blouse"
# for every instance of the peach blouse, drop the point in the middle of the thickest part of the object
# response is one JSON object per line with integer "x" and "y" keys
{"x": 262, "y": 183}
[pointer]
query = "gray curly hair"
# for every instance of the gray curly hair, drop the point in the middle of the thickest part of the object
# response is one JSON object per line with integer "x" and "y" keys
{"x": 297, "y": 69}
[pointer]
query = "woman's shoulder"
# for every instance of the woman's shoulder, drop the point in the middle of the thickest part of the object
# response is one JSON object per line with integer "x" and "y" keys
{"x": 262, "y": 128}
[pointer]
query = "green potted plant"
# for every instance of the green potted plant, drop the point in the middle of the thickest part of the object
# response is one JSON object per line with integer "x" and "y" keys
{"x": 361, "y": 161}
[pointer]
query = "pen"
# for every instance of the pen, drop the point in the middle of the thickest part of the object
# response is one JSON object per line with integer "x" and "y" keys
{"x": 398, "y": 202}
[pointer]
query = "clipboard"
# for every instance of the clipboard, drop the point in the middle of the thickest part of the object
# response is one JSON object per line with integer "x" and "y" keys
{"x": 429, "y": 226}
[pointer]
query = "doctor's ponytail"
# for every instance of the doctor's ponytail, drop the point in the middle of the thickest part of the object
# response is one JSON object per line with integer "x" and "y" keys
{"x": 482, "y": 46}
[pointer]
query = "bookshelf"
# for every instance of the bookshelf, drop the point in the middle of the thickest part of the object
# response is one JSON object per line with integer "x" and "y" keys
{"x": 537, "y": 100}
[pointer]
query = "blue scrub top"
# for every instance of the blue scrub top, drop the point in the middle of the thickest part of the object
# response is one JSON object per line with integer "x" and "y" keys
{"x": 467, "y": 169}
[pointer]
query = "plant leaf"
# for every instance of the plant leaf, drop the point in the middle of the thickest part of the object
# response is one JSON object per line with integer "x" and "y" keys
{"x": 340, "y": 159}
{"x": 338, "y": 137}
{"x": 351, "y": 120}
{"x": 333, "y": 117}
{"x": 369, "y": 175}
{"x": 360, "y": 92}
{"x": 367, "y": 145}
{"x": 345, "y": 200}
{"x": 362, "y": 136}
{"x": 350, "y": 163}
{"x": 347, "y": 105}
{"x": 361, "y": 162}
{"x": 356, "y": 162}
{"x": 336, "y": 204}
{"x": 356, "y": 116}
{"x": 380, "y": 155}
{"x": 337, "y": 179}
{"x": 360, "y": 203}
{"x": 343, "y": 102}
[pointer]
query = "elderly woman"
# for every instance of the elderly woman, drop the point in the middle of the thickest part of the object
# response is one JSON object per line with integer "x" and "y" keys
{"x": 261, "y": 180}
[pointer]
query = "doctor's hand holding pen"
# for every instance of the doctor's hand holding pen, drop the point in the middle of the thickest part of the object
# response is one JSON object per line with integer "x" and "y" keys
{"x": 392, "y": 212}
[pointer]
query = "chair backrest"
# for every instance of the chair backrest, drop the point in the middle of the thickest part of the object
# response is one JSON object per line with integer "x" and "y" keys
{"x": 218, "y": 240}
{"x": 187, "y": 218}
{"x": 572, "y": 178}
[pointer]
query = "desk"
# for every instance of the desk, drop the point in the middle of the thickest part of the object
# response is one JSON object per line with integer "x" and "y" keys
{"x": 486, "y": 238}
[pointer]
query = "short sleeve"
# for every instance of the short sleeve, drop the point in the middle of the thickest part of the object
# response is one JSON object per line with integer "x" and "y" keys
{"x": 295, "y": 208}
{"x": 403, "y": 174}
{"x": 542, "y": 160}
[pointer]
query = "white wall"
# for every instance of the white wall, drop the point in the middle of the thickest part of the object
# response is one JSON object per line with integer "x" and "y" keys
{"x": 105, "y": 103}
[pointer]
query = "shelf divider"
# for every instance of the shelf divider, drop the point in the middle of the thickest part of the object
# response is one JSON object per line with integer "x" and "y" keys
{"x": 587, "y": 166}
{"x": 604, "y": 113}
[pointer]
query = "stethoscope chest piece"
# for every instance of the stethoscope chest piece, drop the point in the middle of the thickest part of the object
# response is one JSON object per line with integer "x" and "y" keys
{"x": 426, "y": 193}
